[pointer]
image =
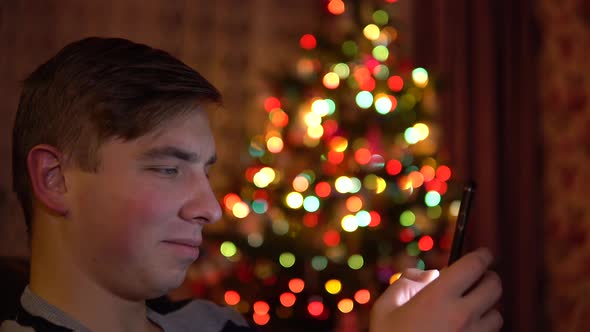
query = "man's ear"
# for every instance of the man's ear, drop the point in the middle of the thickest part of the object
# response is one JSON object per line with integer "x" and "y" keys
{"x": 45, "y": 165}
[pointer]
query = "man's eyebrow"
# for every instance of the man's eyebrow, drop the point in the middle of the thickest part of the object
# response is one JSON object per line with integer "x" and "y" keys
{"x": 174, "y": 152}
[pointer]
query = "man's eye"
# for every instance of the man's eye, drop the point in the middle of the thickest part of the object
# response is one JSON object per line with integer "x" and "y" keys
{"x": 166, "y": 171}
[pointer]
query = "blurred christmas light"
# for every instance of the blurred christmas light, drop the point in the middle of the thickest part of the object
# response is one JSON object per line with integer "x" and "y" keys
{"x": 230, "y": 200}
{"x": 420, "y": 77}
{"x": 395, "y": 83}
{"x": 428, "y": 173}
{"x": 271, "y": 103}
{"x": 231, "y": 297}
{"x": 375, "y": 219}
{"x": 349, "y": 48}
{"x": 260, "y": 206}
{"x": 280, "y": 226}
{"x": 319, "y": 263}
{"x": 343, "y": 184}
{"x": 395, "y": 277}
{"x": 287, "y": 299}
{"x": 423, "y": 131}
{"x": 296, "y": 285}
{"x": 320, "y": 107}
{"x": 240, "y": 210}
{"x": 274, "y": 144}
{"x": 323, "y": 189}
{"x": 331, "y": 238}
{"x": 311, "y": 203}
{"x": 380, "y": 17}
{"x": 308, "y": 42}
{"x": 315, "y": 131}
{"x": 315, "y": 308}
{"x": 362, "y": 296}
{"x": 255, "y": 240}
{"x": 300, "y": 183}
{"x": 349, "y": 223}
{"x": 364, "y": 99}
{"x": 355, "y": 262}
{"x": 411, "y": 135}
{"x": 393, "y": 167}
{"x": 312, "y": 119}
{"x": 412, "y": 249}
{"x": 342, "y": 70}
{"x": 260, "y": 307}
{"x": 425, "y": 243}
{"x": 406, "y": 235}
{"x": 383, "y": 104}
{"x": 362, "y": 156}
{"x": 363, "y": 218}
{"x": 294, "y": 200}
{"x": 354, "y": 203}
{"x": 432, "y": 198}
{"x": 407, "y": 218}
{"x": 371, "y": 32}
{"x": 338, "y": 143}
{"x": 345, "y": 305}
{"x": 261, "y": 319}
{"x": 331, "y": 80}
{"x": 434, "y": 212}
{"x": 443, "y": 173}
{"x": 380, "y": 53}
{"x": 287, "y": 259}
{"x": 336, "y": 7}
{"x": 381, "y": 72}
{"x": 333, "y": 286}
{"x": 279, "y": 118}
{"x": 228, "y": 249}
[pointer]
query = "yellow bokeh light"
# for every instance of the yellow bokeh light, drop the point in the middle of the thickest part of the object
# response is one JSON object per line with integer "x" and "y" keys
{"x": 333, "y": 286}
{"x": 343, "y": 184}
{"x": 240, "y": 210}
{"x": 371, "y": 32}
{"x": 345, "y": 305}
{"x": 423, "y": 130}
{"x": 264, "y": 177}
{"x": 381, "y": 185}
{"x": 274, "y": 144}
{"x": 331, "y": 80}
{"x": 315, "y": 132}
{"x": 420, "y": 77}
{"x": 394, "y": 277}
{"x": 349, "y": 223}
{"x": 312, "y": 119}
{"x": 294, "y": 200}
{"x": 339, "y": 144}
{"x": 320, "y": 107}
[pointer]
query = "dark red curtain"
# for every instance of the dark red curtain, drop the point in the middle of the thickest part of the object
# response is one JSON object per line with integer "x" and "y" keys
{"x": 484, "y": 54}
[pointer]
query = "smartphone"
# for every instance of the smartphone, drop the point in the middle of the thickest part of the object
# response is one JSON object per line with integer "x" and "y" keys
{"x": 462, "y": 218}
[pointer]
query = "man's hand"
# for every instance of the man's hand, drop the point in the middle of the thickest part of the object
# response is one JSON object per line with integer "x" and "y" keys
{"x": 461, "y": 299}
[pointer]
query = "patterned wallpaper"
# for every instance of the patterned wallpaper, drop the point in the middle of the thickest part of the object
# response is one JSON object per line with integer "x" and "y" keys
{"x": 565, "y": 92}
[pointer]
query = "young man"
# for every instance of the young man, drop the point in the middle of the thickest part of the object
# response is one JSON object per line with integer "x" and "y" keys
{"x": 111, "y": 154}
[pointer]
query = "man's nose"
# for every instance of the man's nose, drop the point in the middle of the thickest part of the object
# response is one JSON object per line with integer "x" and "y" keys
{"x": 202, "y": 206}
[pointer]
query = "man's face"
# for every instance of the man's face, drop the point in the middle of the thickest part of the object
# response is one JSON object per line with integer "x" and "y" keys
{"x": 135, "y": 225}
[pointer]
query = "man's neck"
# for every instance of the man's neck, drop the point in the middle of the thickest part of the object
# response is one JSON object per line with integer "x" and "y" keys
{"x": 61, "y": 284}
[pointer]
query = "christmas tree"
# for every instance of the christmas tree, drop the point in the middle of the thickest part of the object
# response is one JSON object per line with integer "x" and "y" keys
{"x": 346, "y": 187}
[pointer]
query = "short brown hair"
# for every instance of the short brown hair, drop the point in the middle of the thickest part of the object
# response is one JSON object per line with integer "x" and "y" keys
{"x": 95, "y": 89}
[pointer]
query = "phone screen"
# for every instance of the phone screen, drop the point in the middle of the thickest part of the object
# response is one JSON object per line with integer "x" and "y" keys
{"x": 462, "y": 218}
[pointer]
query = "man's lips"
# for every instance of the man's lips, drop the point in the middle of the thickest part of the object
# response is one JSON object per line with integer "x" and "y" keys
{"x": 185, "y": 242}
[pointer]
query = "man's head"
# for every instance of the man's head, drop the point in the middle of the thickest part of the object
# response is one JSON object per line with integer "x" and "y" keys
{"x": 111, "y": 150}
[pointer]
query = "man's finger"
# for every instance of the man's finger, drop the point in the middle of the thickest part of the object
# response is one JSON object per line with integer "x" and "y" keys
{"x": 484, "y": 295}
{"x": 420, "y": 275}
{"x": 461, "y": 275}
